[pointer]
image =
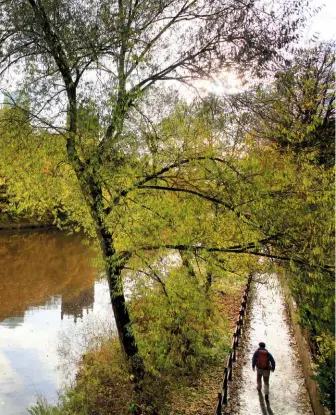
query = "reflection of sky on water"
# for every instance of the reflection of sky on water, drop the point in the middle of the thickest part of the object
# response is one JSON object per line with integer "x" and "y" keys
{"x": 29, "y": 361}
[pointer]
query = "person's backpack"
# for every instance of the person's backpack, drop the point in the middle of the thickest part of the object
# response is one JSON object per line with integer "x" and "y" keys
{"x": 263, "y": 361}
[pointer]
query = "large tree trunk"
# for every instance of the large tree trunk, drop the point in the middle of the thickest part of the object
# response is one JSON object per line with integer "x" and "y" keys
{"x": 114, "y": 266}
{"x": 93, "y": 194}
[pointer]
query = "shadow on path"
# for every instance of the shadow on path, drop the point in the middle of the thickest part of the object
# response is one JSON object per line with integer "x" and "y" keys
{"x": 264, "y": 406}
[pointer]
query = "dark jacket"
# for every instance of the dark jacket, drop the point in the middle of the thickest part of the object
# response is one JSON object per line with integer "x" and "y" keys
{"x": 255, "y": 358}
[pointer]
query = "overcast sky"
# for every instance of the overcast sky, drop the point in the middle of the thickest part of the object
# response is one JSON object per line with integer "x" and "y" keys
{"x": 324, "y": 23}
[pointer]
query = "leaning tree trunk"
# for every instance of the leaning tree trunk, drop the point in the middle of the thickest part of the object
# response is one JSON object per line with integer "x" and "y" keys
{"x": 92, "y": 192}
{"x": 114, "y": 266}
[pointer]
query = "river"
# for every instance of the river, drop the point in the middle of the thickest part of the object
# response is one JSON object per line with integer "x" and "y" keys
{"x": 51, "y": 302}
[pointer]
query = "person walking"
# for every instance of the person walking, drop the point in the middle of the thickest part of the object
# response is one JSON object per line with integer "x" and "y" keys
{"x": 265, "y": 363}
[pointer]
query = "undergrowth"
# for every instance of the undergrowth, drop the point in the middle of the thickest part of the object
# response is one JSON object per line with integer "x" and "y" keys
{"x": 183, "y": 344}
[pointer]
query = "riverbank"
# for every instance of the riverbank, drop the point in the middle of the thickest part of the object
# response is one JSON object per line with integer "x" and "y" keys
{"x": 8, "y": 223}
{"x": 103, "y": 383}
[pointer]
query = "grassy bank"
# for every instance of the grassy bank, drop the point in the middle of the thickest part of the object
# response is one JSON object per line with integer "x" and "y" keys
{"x": 104, "y": 387}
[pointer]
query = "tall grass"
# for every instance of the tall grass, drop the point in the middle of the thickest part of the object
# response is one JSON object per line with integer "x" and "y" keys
{"x": 42, "y": 407}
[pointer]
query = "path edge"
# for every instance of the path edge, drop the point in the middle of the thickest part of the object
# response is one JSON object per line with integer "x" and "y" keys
{"x": 237, "y": 337}
{"x": 304, "y": 352}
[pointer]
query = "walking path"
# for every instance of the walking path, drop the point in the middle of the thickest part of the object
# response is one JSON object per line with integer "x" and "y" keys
{"x": 267, "y": 321}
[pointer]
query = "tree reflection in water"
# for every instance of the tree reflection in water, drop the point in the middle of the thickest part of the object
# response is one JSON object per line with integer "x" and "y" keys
{"x": 38, "y": 267}
{"x": 50, "y": 301}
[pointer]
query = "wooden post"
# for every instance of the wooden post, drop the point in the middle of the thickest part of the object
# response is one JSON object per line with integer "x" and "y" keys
{"x": 219, "y": 406}
{"x": 225, "y": 387}
{"x": 229, "y": 365}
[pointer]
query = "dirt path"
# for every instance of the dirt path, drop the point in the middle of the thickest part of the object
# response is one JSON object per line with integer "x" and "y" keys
{"x": 267, "y": 322}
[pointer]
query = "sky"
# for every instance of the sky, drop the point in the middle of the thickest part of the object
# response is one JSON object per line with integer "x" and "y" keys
{"x": 322, "y": 25}
{"x": 324, "y": 22}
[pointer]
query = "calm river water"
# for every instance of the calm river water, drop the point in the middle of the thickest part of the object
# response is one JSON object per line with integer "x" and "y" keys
{"x": 51, "y": 302}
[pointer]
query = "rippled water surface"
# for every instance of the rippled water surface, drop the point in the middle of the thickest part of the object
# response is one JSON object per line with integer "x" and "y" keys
{"x": 50, "y": 302}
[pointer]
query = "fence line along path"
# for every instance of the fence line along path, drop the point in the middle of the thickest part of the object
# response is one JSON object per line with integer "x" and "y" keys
{"x": 223, "y": 394}
{"x": 268, "y": 322}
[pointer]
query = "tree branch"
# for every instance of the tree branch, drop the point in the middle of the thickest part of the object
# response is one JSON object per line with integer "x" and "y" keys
{"x": 240, "y": 249}
{"x": 165, "y": 170}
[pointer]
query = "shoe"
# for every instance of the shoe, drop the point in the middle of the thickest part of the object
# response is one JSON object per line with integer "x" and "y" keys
{"x": 266, "y": 398}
